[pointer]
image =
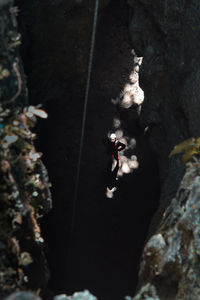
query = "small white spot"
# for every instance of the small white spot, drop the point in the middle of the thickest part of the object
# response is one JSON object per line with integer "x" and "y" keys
{"x": 119, "y": 134}
{"x": 125, "y": 168}
{"x": 116, "y": 123}
{"x": 35, "y": 194}
{"x": 133, "y": 164}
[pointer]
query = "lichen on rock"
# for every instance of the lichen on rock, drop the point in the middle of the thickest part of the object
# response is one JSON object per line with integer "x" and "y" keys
{"x": 85, "y": 295}
{"x": 147, "y": 292}
{"x": 171, "y": 257}
{"x": 24, "y": 186}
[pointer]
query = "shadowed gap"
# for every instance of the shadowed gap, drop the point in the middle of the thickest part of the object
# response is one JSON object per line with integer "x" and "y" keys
{"x": 109, "y": 233}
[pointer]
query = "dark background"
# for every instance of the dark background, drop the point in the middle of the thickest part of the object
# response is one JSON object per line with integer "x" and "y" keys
{"x": 108, "y": 235}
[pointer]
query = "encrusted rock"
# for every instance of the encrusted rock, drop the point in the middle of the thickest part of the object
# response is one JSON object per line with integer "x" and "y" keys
{"x": 76, "y": 296}
{"x": 165, "y": 34}
{"x": 23, "y": 296}
{"x": 147, "y": 292}
{"x": 170, "y": 260}
{"x": 24, "y": 184}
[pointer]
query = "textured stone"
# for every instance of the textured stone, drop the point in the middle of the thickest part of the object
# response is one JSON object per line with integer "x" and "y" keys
{"x": 57, "y": 36}
{"x": 165, "y": 34}
{"x": 170, "y": 261}
{"x": 147, "y": 292}
{"x": 4, "y": 2}
{"x": 22, "y": 296}
{"x": 24, "y": 184}
{"x": 77, "y": 296}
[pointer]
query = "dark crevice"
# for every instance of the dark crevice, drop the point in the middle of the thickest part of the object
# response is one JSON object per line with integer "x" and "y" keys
{"x": 109, "y": 234}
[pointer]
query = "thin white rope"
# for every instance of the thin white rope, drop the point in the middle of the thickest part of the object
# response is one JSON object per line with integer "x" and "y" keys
{"x": 84, "y": 117}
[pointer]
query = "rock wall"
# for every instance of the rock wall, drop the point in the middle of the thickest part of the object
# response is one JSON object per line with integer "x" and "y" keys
{"x": 166, "y": 34}
{"x": 170, "y": 261}
{"x": 24, "y": 188}
{"x": 57, "y": 37}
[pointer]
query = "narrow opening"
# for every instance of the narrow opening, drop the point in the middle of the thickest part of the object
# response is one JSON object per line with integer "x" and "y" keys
{"x": 109, "y": 228}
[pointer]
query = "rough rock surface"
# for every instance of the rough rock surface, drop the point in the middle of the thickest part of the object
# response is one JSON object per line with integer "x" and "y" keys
{"x": 85, "y": 295}
{"x": 23, "y": 296}
{"x": 77, "y": 296}
{"x": 24, "y": 186}
{"x": 57, "y": 37}
{"x": 170, "y": 261}
{"x": 166, "y": 34}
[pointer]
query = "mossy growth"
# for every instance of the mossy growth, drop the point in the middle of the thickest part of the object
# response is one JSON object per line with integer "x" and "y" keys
{"x": 24, "y": 197}
{"x": 189, "y": 147}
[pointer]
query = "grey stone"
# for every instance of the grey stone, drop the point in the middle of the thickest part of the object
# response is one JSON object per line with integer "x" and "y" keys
{"x": 85, "y": 295}
{"x": 5, "y": 2}
{"x": 172, "y": 254}
{"x": 23, "y": 296}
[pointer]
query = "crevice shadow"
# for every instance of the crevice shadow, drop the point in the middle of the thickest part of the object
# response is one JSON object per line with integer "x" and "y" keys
{"x": 111, "y": 178}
